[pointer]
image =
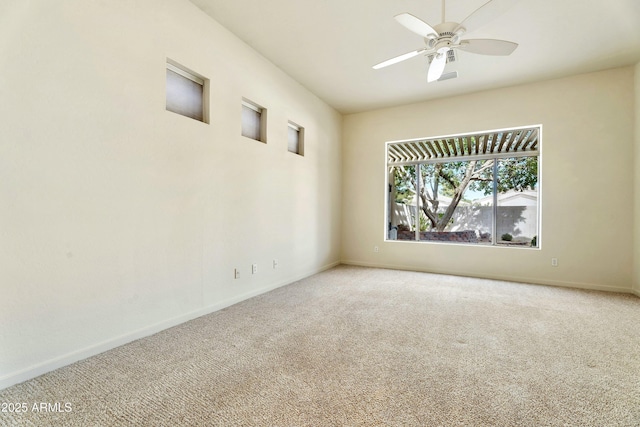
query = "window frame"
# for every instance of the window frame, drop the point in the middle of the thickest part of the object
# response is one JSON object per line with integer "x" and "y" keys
{"x": 262, "y": 118}
{"x": 449, "y": 159}
{"x": 197, "y": 78}
{"x": 300, "y": 135}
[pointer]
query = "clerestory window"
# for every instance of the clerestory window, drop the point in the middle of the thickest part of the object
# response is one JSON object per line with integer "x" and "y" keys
{"x": 186, "y": 92}
{"x": 295, "y": 136}
{"x": 254, "y": 124}
{"x": 480, "y": 188}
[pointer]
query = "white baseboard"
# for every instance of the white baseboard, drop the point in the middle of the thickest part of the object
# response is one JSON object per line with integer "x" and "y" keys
{"x": 528, "y": 280}
{"x": 72, "y": 357}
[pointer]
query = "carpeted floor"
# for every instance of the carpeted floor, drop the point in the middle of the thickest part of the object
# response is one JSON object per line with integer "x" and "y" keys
{"x": 359, "y": 346}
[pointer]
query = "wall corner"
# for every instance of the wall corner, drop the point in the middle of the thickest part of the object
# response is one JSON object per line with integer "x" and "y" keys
{"x": 636, "y": 184}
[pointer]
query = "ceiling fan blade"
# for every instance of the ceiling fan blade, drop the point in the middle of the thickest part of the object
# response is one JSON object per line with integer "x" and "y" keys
{"x": 437, "y": 65}
{"x": 447, "y": 76}
{"x": 489, "y": 47}
{"x": 399, "y": 59}
{"x": 484, "y": 14}
{"x": 416, "y": 25}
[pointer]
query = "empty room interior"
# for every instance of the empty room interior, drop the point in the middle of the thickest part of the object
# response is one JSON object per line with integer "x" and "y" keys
{"x": 278, "y": 213}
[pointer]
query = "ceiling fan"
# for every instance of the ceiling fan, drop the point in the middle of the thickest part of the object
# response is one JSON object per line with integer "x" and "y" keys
{"x": 445, "y": 37}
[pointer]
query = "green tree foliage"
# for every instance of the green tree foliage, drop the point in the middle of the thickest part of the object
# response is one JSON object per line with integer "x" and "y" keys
{"x": 519, "y": 174}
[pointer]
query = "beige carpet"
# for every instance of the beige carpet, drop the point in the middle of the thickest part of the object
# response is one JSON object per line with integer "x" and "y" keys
{"x": 366, "y": 347}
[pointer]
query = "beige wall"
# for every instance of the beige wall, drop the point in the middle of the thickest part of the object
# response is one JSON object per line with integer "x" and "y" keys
{"x": 587, "y": 171}
{"x": 120, "y": 218}
{"x": 636, "y": 257}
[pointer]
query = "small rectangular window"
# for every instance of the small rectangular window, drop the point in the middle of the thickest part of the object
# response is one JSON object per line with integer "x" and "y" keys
{"x": 296, "y": 139}
{"x": 186, "y": 92}
{"x": 254, "y": 121}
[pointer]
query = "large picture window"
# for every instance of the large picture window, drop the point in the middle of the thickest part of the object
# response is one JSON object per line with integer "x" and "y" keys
{"x": 481, "y": 188}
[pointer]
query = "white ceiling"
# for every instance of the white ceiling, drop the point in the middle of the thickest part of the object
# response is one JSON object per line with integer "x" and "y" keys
{"x": 329, "y": 46}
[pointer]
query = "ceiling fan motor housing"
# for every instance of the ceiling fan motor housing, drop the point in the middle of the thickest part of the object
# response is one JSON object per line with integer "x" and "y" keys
{"x": 448, "y": 35}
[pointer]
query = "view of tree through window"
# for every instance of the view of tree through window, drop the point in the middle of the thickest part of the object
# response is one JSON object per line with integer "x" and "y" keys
{"x": 489, "y": 197}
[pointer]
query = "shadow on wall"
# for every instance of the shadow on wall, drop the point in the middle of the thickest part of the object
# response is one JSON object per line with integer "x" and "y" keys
{"x": 519, "y": 221}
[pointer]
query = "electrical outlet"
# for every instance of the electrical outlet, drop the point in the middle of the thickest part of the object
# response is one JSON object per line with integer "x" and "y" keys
{"x": 554, "y": 262}
{"x": 236, "y": 273}
{"x": 254, "y": 268}
{"x": 275, "y": 264}
{"x": 376, "y": 249}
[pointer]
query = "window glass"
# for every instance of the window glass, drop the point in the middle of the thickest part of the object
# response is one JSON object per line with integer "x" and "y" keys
{"x": 517, "y": 207}
{"x": 185, "y": 93}
{"x": 251, "y": 118}
{"x": 488, "y": 197}
{"x": 254, "y": 121}
{"x": 295, "y": 139}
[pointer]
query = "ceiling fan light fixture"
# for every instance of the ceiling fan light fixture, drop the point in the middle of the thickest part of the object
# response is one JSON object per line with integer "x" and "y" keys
{"x": 443, "y": 39}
